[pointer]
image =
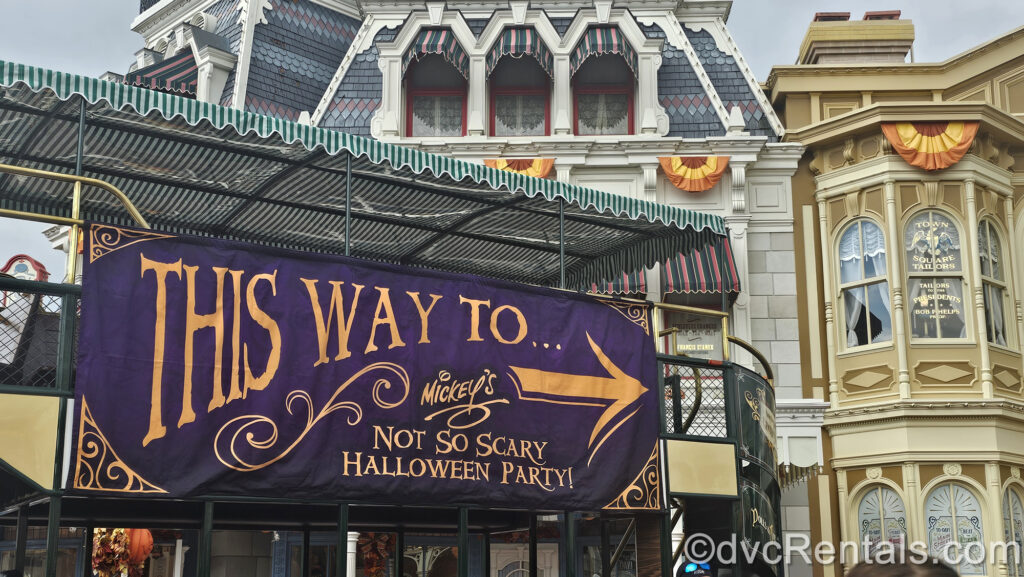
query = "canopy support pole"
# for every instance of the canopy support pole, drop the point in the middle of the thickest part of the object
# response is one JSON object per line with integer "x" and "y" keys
{"x": 532, "y": 552}
{"x": 561, "y": 246}
{"x": 205, "y": 541}
{"x": 53, "y": 528}
{"x": 348, "y": 208}
{"x": 76, "y": 199}
{"x": 606, "y": 545}
{"x": 305, "y": 552}
{"x": 21, "y": 538}
{"x": 570, "y": 544}
{"x": 87, "y": 551}
{"x": 463, "y": 569}
{"x": 341, "y": 543}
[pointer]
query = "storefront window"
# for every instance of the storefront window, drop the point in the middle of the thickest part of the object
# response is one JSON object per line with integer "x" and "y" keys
{"x": 993, "y": 283}
{"x": 865, "y": 290}
{"x": 882, "y": 517}
{"x": 935, "y": 285}
{"x": 1013, "y": 532}
{"x": 953, "y": 520}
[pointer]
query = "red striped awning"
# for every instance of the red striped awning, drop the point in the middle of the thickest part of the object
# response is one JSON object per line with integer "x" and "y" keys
{"x": 701, "y": 271}
{"x": 178, "y": 74}
{"x": 626, "y": 283}
{"x": 517, "y": 42}
{"x": 602, "y": 40}
{"x": 698, "y": 271}
{"x": 439, "y": 41}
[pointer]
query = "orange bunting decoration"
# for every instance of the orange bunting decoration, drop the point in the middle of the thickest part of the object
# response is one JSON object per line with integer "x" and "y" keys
{"x": 931, "y": 145}
{"x": 536, "y": 167}
{"x": 694, "y": 173}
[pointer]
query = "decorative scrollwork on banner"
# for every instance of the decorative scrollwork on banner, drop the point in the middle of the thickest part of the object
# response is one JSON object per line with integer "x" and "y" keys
{"x": 242, "y": 431}
{"x": 645, "y": 490}
{"x": 99, "y": 468}
{"x": 104, "y": 240}
{"x": 635, "y": 312}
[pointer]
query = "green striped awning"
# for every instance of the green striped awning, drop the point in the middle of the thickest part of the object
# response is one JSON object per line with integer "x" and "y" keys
{"x": 518, "y": 42}
{"x": 440, "y": 41}
{"x": 173, "y": 74}
{"x": 198, "y": 168}
{"x": 701, "y": 270}
{"x": 602, "y": 40}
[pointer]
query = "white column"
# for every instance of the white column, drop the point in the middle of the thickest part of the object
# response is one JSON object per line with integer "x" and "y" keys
{"x": 996, "y": 563}
{"x": 912, "y": 503}
{"x": 561, "y": 99}
{"x": 970, "y": 256}
{"x": 390, "y": 112}
{"x": 650, "y": 194}
{"x": 830, "y": 339}
{"x": 896, "y": 286}
{"x": 739, "y": 324}
{"x": 353, "y": 542}
{"x": 477, "y": 98}
{"x": 842, "y": 498}
{"x": 647, "y": 93}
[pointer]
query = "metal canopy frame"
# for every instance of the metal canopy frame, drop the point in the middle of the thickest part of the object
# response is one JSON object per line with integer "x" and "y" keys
{"x": 201, "y": 169}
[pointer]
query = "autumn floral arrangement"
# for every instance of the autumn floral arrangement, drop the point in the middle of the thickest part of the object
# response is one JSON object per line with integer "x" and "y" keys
{"x": 120, "y": 552}
{"x": 376, "y": 548}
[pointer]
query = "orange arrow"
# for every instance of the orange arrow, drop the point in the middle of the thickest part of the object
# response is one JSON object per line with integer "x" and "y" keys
{"x": 621, "y": 388}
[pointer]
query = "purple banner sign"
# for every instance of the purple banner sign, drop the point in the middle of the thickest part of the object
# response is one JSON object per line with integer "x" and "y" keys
{"x": 208, "y": 368}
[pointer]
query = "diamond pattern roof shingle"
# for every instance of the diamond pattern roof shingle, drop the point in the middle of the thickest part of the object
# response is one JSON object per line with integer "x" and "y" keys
{"x": 294, "y": 57}
{"x": 680, "y": 92}
{"x": 228, "y": 29}
{"x": 729, "y": 82}
{"x": 359, "y": 92}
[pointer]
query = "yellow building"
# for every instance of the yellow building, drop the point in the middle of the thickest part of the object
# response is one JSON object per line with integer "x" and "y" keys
{"x": 908, "y": 226}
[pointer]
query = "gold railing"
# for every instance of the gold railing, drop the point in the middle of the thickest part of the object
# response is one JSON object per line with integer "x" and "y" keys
{"x": 75, "y": 222}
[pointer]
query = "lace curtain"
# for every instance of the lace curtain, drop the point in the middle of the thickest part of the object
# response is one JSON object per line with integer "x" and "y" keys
{"x": 437, "y": 115}
{"x": 519, "y": 114}
{"x": 603, "y": 113}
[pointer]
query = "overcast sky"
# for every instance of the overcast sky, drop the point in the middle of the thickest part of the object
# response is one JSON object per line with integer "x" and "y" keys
{"x": 90, "y": 37}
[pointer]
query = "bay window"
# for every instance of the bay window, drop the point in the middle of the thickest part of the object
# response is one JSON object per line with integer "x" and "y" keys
{"x": 520, "y": 98}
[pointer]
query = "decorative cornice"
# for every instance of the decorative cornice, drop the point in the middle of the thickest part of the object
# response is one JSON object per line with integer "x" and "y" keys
{"x": 945, "y": 411}
{"x": 840, "y": 127}
{"x": 166, "y": 14}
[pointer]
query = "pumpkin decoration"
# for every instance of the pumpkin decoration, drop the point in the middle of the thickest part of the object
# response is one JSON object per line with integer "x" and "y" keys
{"x": 140, "y": 545}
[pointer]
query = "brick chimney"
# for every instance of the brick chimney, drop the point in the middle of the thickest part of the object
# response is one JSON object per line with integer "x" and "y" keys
{"x": 880, "y": 37}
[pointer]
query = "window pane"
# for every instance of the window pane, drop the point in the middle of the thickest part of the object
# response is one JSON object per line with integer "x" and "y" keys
{"x": 932, "y": 244}
{"x": 880, "y": 317}
{"x": 437, "y": 116}
{"x": 937, "y": 308}
{"x": 519, "y": 114}
{"x": 983, "y": 249}
{"x": 995, "y": 321}
{"x": 1013, "y": 527}
{"x": 855, "y": 307}
{"x": 874, "y": 250}
{"x": 603, "y": 113}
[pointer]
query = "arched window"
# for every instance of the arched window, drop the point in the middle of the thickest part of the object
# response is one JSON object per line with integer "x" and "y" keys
{"x": 993, "y": 282}
{"x": 519, "y": 98}
{"x": 882, "y": 517}
{"x": 935, "y": 269}
{"x": 603, "y": 89}
{"x": 435, "y": 98}
{"x": 1013, "y": 531}
{"x": 864, "y": 285}
{"x": 954, "y": 523}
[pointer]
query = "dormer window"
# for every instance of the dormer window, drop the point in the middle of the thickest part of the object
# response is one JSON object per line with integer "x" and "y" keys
{"x": 603, "y": 69}
{"x": 519, "y": 69}
{"x": 436, "y": 70}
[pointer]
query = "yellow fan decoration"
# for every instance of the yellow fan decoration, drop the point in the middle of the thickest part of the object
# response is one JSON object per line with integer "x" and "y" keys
{"x": 930, "y": 145}
{"x": 537, "y": 167}
{"x": 694, "y": 173}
